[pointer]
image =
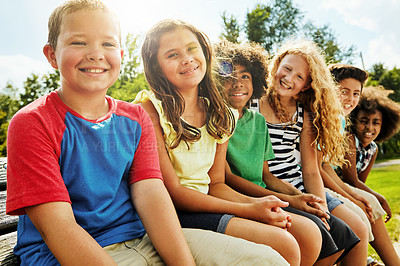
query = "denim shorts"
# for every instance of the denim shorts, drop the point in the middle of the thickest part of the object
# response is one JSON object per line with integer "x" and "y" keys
{"x": 207, "y": 221}
{"x": 332, "y": 202}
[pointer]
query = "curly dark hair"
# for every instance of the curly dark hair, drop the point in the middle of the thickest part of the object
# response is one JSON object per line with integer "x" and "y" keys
{"x": 376, "y": 99}
{"x": 250, "y": 55}
{"x": 342, "y": 71}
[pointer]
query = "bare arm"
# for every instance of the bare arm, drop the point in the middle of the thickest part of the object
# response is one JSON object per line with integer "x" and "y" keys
{"x": 191, "y": 200}
{"x": 333, "y": 182}
{"x": 311, "y": 176}
{"x": 302, "y": 201}
{"x": 159, "y": 218}
{"x": 69, "y": 242}
{"x": 295, "y": 197}
{"x": 350, "y": 176}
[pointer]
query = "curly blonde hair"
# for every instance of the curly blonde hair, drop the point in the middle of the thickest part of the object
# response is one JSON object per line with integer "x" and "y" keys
{"x": 320, "y": 100}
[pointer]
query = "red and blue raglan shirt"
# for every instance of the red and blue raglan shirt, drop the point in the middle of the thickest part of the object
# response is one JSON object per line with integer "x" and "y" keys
{"x": 54, "y": 154}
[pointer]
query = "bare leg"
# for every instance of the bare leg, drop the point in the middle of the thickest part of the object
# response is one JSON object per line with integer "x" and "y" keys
{"x": 358, "y": 254}
{"x": 329, "y": 260}
{"x": 383, "y": 244}
{"x": 278, "y": 239}
{"x": 308, "y": 237}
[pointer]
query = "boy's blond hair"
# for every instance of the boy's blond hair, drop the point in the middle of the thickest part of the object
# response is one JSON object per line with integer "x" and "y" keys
{"x": 71, "y": 6}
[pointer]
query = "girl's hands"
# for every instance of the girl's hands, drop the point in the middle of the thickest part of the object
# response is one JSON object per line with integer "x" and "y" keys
{"x": 365, "y": 206}
{"x": 308, "y": 203}
{"x": 268, "y": 210}
{"x": 385, "y": 206}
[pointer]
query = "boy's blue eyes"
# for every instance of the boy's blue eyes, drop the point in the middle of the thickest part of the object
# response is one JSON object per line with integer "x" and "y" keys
{"x": 83, "y": 43}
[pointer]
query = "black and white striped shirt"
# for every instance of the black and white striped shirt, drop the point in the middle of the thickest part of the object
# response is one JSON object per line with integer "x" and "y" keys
{"x": 285, "y": 139}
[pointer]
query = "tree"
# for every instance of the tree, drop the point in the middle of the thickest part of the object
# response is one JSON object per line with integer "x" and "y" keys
{"x": 390, "y": 80}
{"x": 131, "y": 79}
{"x": 376, "y": 73}
{"x": 285, "y": 21}
{"x": 255, "y": 25}
{"x": 8, "y": 107}
{"x": 35, "y": 87}
{"x": 231, "y": 28}
{"x": 271, "y": 24}
{"x": 325, "y": 38}
{"x": 274, "y": 23}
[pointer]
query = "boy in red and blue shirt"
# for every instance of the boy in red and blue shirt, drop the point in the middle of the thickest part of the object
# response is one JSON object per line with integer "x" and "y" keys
{"x": 83, "y": 169}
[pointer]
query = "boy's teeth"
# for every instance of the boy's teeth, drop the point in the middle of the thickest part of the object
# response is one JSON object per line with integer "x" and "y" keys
{"x": 94, "y": 70}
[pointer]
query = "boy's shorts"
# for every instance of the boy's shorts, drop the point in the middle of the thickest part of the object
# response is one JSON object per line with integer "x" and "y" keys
{"x": 207, "y": 248}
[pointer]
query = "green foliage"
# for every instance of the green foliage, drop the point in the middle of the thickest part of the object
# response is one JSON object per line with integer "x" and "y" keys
{"x": 271, "y": 24}
{"x": 325, "y": 37}
{"x": 284, "y": 22}
{"x": 35, "y": 87}
{"x": 8, "y": 107}
{"x": 3, "y": 133}
{"x": 385, "y": 181}
{"x": 127, "y": 92}
{"x": 131, "y": 79}
{"x": 231, "y": 28}
{"x": 390, "y": 80}
{"x": 256, "y": 24}
{"x": 376, "y": 73}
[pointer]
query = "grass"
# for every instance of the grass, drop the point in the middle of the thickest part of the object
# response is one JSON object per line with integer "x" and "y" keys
{"x": 386, "y": 182}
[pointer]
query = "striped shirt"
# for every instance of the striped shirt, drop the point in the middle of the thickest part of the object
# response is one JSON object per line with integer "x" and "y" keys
{"x": 285, "y": 139}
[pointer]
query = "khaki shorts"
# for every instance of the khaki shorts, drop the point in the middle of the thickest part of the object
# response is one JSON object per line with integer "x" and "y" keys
{"x": 377, "y": 210}
{"x": 208, "y": 248}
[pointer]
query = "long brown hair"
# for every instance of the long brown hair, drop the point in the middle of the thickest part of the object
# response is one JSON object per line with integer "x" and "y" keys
{"x": 219, "y": 119}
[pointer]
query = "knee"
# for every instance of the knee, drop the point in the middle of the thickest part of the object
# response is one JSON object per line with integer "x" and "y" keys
{"x": 308, "y": 235}
{"x": 289, "y": 248}
{"x": 360, "y": 228}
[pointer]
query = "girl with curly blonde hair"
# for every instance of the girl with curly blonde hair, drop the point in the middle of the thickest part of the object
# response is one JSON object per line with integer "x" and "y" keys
{"x": 303, "y": 112}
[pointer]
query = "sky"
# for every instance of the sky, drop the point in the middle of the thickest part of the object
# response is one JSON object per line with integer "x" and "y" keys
{"x": 372, "y": 26}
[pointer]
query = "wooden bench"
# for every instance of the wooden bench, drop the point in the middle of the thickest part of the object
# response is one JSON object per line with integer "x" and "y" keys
{"x": 8, "y": 224}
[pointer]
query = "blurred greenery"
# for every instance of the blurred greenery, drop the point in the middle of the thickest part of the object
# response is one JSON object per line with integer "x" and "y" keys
{"x": 386, "y": 181}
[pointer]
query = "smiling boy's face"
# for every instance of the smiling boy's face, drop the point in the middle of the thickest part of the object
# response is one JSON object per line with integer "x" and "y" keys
{"x": 239, "y": 88}
{"x": 88, "y": 52}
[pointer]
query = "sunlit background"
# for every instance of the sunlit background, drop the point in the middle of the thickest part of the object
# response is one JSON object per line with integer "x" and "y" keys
{"x": 373, "y": 27}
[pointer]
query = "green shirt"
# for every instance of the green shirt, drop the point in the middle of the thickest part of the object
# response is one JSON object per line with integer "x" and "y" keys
{"x": 249, "y": 147}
